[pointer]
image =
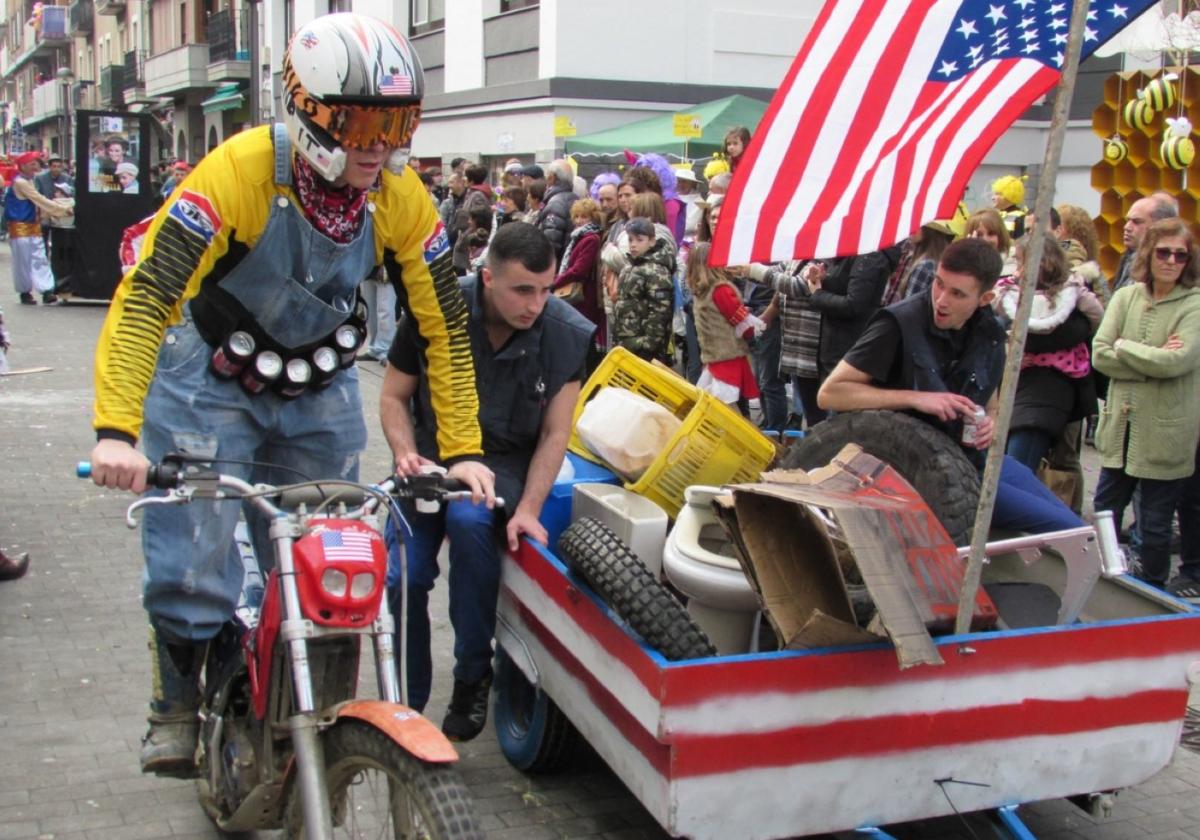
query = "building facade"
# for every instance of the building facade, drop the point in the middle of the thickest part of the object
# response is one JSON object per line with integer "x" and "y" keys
{"x": 504, "y": 78}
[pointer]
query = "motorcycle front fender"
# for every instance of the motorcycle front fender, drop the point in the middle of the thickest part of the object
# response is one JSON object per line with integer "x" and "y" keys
{"x": 413, "y": 733}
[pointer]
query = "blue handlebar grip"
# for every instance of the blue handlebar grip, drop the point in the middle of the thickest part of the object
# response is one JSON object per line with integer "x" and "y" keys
{"x": 83, "y": 469}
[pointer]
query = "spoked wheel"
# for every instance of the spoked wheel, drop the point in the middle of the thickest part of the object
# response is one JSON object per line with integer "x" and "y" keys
{"x": 379, "y": 791}
{"x": 534, "y": 734}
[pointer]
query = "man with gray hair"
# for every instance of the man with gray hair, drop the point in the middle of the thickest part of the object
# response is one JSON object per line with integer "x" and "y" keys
{"x": 1144, "y": 212}
{"x": 719, "y": 184}
{"x": 554, "y": 220}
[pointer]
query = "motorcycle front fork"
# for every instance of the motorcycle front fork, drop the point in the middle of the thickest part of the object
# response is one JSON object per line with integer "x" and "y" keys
{"x": 305, "y": 723}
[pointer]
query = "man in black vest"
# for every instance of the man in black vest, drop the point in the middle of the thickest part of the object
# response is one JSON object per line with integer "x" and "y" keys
{"x": 530, "y": 352}
{"x": 940, "y": 356}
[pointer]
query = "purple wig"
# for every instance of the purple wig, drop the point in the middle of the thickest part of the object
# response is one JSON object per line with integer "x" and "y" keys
{"x": 602, "y": 179}
{"x": 666, "y": 175}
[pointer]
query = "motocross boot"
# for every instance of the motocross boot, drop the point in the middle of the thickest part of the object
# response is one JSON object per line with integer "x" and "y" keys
{"x": 169, "y": 746}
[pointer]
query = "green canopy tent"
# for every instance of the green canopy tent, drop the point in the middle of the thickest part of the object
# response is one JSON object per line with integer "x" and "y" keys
{"x": 657, "y": 134}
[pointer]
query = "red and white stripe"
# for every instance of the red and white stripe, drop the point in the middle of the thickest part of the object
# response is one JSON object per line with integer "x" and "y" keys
{"x": 788, "y": 744}
{"x": 848, "y": 162}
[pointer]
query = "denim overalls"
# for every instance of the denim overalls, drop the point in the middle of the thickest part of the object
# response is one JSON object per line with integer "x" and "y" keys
{"x": 300, "y": 285}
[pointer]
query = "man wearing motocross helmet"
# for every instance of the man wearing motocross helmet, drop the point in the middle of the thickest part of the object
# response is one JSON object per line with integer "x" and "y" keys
{"x": 233, "y": 337}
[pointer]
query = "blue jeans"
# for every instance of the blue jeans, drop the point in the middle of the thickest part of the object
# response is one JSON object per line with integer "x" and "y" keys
{"x": 1029, "y": 446}
{"x": 194, "y": 573}
{"x": 381, "y": 317}
{"x": 1155, "y": 507}
{"x": 1025, "y": 504}
{"x": 474, "y": 588}
{"x": 766, "y": 370}
{"x": 694, "y": 366}
{"x": 1189, "y": 525}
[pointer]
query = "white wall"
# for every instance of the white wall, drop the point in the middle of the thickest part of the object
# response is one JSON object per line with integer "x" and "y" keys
{"x": 464, "y": 45}
{"x": 682, "y": 41}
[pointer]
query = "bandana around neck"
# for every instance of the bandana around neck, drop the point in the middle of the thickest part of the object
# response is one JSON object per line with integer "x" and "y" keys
{"x": 336, "y": 212}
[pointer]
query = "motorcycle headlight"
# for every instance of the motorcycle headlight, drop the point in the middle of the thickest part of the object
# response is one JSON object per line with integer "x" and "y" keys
{"x": 362, "y": 585}
{"x": 333, "y": 581}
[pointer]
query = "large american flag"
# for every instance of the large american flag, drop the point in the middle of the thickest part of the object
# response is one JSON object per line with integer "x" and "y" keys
{"x": 885, "y": 113}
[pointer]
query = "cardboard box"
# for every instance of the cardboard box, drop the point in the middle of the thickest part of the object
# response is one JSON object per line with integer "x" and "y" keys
{"x": 781, "y": 530}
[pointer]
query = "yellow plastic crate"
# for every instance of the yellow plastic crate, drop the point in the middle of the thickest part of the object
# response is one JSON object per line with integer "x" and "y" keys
{"x": 715, "y": 445}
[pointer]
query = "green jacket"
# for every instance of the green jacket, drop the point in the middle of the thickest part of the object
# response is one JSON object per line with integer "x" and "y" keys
{"x": 1153, "y": 392}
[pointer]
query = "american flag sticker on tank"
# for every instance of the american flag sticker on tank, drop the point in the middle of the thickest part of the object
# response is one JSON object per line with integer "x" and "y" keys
{"x": 347, "y": 546}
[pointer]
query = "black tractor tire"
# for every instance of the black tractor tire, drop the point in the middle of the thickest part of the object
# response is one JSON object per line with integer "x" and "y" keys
{"x": 614, "y": 572}
{"x": 534, "y": 735}
{"x": 929, "y": 460}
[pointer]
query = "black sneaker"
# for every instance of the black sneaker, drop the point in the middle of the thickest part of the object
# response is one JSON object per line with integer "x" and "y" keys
{"x": 49, "y": 298}
{"x": 1185, "y": 589}
{"x": 467, "y": 713}
{"x": 28, "y": 298}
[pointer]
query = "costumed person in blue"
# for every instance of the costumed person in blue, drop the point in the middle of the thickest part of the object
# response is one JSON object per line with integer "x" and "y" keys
{"x": 23, "y": 209}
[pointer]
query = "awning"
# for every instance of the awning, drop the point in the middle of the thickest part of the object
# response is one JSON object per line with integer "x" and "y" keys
{"x": 226, "y": 98}
{"x": 656, "y": 134}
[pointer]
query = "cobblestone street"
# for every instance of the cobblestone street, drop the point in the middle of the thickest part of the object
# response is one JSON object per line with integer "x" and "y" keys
{"x": 75, "y": 670}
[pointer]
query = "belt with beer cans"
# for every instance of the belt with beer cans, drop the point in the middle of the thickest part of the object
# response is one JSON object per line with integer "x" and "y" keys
{"x": 261, "y": 368}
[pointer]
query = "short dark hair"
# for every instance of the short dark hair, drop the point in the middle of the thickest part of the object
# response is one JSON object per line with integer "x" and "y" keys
{"x": 975, "y": 257}
{"x": 536, "y": 189}
{"x": 426, "y": 178}
{"x": 481, "y": 216}
{"x": 521, "y": 242}
{"x": 455, "y": 162}
{"x": 517, "y": 194}
{"x": 643, "y": 179}
{"x": 640, "y": 226}
{"x": 476, "y": 174}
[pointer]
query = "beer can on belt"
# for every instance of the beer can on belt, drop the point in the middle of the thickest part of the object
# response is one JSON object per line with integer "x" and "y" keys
{"x": 361, "y": 313}
{"x": 325, "y": 365}
{"x": 233, "y": 354}
{"x": 296, "y": 377}
{"x": 348, "y": 339}
{"x": 264, "y": 370}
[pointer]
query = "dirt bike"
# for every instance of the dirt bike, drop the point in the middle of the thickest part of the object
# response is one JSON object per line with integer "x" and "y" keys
{"x": 284, "y": 740}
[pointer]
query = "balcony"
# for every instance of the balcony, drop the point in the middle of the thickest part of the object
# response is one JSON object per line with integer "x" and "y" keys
{"x": 110, "y": 7}
{"x": 178, "y": 70}
{"x": 228, "y": 52}
{"x": 112, "y": 86}
{"x": 81, "y": 18}
{"x": 47, "y": 103}
{"x": 134, "y": 77}
{"x": 44, "y": 40}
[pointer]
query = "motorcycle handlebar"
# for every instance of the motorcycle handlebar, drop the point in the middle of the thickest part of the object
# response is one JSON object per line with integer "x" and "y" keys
{"x": 168, "y": 474}
{"x": 163, "y": 476}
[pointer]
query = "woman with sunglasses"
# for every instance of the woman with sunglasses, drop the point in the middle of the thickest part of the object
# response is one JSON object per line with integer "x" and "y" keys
{"x": 1149, "y": 346}
{"x": 234, "y": 335}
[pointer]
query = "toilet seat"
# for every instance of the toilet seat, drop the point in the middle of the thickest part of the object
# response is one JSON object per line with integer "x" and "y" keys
{"x": 710, "y": 578}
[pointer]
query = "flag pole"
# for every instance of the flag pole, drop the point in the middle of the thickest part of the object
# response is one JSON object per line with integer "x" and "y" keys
{"x": 1016, "y": 342}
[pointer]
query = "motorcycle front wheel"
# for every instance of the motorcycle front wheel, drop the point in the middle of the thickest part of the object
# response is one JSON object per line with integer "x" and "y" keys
{"x": 378, "y": 790}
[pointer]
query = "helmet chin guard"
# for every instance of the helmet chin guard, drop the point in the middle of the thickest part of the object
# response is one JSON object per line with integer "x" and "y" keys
{"x": 350, "y": 80}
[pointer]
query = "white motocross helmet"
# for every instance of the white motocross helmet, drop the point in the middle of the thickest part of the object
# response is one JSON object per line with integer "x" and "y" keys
{"x": 350, "y": 80}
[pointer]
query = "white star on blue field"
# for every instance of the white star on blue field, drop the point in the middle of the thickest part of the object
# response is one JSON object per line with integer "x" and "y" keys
{"x": 1036, "y": 29}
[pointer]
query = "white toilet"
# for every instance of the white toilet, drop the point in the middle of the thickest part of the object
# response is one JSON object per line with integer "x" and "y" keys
{"x": 699, "y": 561}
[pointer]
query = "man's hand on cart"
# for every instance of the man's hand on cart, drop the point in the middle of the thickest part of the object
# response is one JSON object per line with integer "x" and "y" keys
{"x": 117, "y": 465}
{"x": 410, "y": 463}
{"x": 526, "y": 523}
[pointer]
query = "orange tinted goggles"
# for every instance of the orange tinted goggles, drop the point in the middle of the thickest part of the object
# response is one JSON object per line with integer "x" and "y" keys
{"x": 360, "y": 126}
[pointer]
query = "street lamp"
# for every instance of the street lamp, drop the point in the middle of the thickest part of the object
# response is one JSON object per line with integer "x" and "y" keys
{"x": 67, "y": 78}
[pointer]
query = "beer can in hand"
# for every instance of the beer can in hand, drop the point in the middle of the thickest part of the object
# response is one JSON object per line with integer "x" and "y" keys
{"x": 266, "y": 368}
{"x": 970, "y": 425}
{"x": 325, "y": 365}
{"x": 231, "y": 357}
{"x": 297, "y": 374}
